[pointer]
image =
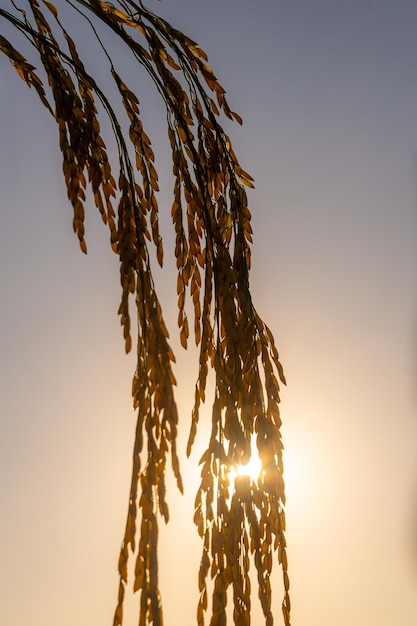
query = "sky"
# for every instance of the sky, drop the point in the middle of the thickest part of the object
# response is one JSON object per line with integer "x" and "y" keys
{"x": 328, "y": 93}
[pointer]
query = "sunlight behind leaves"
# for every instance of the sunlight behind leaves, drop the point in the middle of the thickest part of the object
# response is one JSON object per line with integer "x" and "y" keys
{"x": 251, "y": 469}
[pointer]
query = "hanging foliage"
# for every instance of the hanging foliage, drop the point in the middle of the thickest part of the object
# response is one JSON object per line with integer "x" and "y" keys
{"x": 240, "y": 521}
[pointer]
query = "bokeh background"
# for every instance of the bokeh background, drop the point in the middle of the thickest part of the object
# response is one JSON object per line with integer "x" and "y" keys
{"x": 328, "y": 93}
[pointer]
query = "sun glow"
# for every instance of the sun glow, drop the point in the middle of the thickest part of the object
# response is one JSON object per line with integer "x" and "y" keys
{"x": 251, "y": 469}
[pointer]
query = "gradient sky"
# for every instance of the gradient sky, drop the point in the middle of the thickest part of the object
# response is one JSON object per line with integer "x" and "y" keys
{"x": 328, "y": 93}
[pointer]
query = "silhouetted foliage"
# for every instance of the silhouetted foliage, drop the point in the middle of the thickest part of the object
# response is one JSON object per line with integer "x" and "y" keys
{"x": 211, "y": 218}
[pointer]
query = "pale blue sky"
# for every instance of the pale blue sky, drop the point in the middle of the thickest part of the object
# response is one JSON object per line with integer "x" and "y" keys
{"x": 328, "y": 93}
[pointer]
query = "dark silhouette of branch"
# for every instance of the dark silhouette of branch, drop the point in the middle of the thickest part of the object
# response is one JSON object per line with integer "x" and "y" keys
{"x": 240, "y": 521}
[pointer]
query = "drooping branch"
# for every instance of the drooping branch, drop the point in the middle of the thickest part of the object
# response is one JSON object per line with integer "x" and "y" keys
{"x": 213, "y": 236}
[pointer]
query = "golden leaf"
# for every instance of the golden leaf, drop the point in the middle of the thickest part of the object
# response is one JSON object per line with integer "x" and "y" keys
{"x": 118, "y": 617}
{"x": 51, "y": 7}
{"x": 237, "y": 117}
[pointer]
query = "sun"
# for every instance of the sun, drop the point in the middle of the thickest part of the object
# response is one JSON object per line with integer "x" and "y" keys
{"x": 251, "y": 469}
